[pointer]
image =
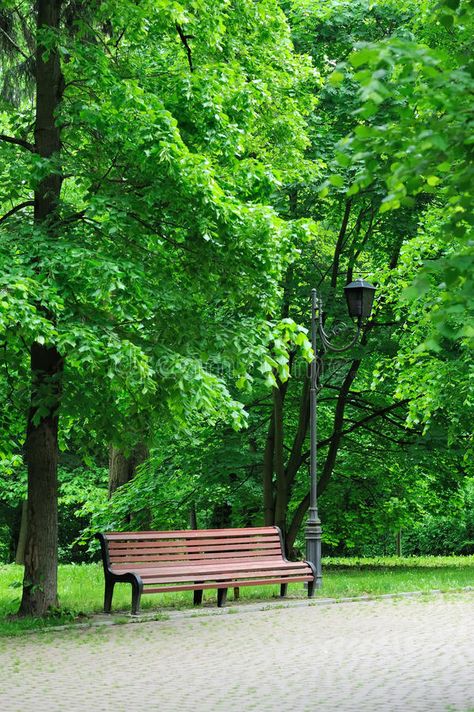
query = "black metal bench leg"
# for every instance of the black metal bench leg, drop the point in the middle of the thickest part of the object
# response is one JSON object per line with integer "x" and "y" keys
{"x": 198, "y": 597}
{"x": 221, "y": 597}
{"x": 311, "y": 589}
{"x": 109, "y": 592}
{"x": 283, "y": 590}
{"x": 137, "y": 589}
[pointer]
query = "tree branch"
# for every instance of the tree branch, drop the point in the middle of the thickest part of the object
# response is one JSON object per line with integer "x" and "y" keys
{"x": 356, "y": 251}
{"x": 339, "y": 243}
{"x": 300, "y": 436}
{"x": 14, "y": 44}
{"x": 184, "y": 39}
{"x": 380, "y": 434}
{"x": 14, "y": 210}
{"x": 18, "y": 142}
{"x": 359, "y": 423}
{"x": 302, "y": 508}
{"x": 154, "y": 228}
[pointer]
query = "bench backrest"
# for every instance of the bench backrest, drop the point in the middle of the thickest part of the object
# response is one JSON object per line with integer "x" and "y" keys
{"x": 141, "y": 549}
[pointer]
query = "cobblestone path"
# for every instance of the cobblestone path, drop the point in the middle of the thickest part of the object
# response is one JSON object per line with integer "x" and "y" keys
{"x": 409, "y": 655}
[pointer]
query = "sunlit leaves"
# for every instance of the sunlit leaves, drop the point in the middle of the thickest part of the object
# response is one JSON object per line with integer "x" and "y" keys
{"x": 159, "y": 277}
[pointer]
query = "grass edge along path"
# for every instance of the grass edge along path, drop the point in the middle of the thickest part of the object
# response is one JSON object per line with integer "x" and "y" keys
{"x": 81, "y": 588}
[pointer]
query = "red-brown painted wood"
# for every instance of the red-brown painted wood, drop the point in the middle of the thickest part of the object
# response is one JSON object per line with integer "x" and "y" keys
{"x": 230, "y": 575}
{"x": 222, "y": 566}
{"x": 158, "y": 542}
{"x": 191, "y": 533}
{"x": 195, "y": 550}
{"x": 188, "y": 560}
{"x": 229, "y": 584}
{"x": 199, "y": 556}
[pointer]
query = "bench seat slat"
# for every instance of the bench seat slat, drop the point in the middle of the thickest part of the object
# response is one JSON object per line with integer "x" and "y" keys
{"x": 200, "y": 575}
{"x": 230, "y": 584}
{"x": 216, "y": 567}
{"x": 224, "y": 576}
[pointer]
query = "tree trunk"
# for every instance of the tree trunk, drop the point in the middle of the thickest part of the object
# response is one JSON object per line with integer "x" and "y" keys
{"x": 267, "y": 476}
{"x": 41, "y": 550}
{"x": 21, "y": 545}
{"x": 296, "y": 522}
{"x": 281, "y": 498}
{"x": 193, "y": 524}
{"x": 340, "y": 244}
{"x": 294, "y": 461}
{"x": 221, "y": 516}
{"x": 119, "y": 469}
{"x": 331, "y": 457}
{"x": 40, "y": 578}
{"x": 122, "y": 468}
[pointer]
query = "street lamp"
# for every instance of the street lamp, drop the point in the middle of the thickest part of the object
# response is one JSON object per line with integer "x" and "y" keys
{"x": 359, "y": 296}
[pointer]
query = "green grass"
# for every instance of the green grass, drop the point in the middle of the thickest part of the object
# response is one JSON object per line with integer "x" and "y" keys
{"x": 81, "y": 587}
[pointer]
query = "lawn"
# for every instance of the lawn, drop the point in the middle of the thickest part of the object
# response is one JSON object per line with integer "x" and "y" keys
{"x": 81, "y": 587}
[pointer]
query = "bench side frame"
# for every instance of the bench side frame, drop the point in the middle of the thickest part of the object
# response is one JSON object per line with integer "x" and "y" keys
{"x": 311, "y": 584}
{"x": 111, "y": 578}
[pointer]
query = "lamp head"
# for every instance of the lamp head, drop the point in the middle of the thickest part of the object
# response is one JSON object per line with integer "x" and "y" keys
{"x": 360, "y": 297}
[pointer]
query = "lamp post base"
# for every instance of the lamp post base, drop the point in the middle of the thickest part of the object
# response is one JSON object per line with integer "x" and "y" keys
{"x": 313, "y": 549}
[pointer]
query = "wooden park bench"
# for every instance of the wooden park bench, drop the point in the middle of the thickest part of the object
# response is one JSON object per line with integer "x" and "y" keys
{"x": 198, "y": 559}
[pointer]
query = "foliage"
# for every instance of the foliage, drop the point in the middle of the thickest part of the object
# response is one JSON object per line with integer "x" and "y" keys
{"x": 415, "y": 127}
{"x": 381, "y": 490}
{"x": 164, "y": 211}
{"x": 218, "y": 160}
{"x": 79, "y": 487}
{"x": 450, "y": 530}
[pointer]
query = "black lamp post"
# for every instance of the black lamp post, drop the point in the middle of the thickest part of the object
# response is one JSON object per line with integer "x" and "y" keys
{"x": 360, "y": 297}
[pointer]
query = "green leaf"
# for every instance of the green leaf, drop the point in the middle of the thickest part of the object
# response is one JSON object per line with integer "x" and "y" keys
{"x": 363, "y": 131}
{"x": 337, "y": 180}
{"x": 336, "y": 78}
{"x": 363, "y": 56}
{"x": 446, "y": 20}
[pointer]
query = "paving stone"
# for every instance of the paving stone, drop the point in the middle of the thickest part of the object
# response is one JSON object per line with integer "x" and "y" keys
{"x": 410, "y": 655}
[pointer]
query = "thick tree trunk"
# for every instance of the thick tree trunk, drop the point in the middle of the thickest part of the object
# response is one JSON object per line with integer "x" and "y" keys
{"x": 119, "y": 469}
{"x": 21, "y": 544}
{"x": 41, "y": 551}
{"x": 40, "y": 578}
{"x": 122, "y": 468}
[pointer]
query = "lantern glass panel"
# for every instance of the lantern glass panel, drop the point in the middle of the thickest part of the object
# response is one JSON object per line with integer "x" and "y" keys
{"x": 360, "y": 297}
